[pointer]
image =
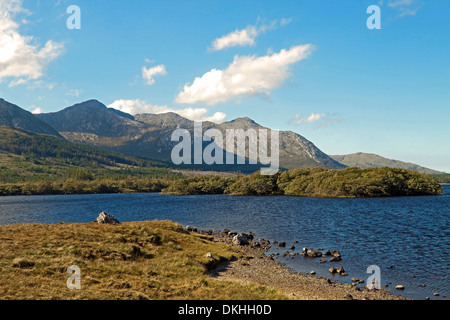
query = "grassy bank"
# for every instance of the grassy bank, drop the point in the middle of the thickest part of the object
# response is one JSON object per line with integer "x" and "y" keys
{"x": 139, "y": 260}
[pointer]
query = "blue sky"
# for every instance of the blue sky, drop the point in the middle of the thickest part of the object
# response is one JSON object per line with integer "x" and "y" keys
{"x": 312, "y": 67}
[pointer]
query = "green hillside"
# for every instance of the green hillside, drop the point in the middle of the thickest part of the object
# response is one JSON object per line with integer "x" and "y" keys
{"x": 27, "y": 156}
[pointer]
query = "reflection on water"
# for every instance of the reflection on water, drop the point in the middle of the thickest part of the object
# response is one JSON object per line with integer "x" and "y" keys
{"x": 408, "y": 238}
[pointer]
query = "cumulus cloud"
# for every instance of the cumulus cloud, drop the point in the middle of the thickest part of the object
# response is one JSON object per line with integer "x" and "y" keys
{"x": 35, "y": 110}
{"x": 138, "y": 106}
{"x": 149, "y": 73}
{"x": 20, "y": 59}
{"x": 244, "y": 37}
{"x": 245, "y": 76}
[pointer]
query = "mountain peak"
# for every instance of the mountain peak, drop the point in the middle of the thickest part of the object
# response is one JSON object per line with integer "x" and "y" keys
{"x": 18, "y": 118}
{"x": 94, "y": 117}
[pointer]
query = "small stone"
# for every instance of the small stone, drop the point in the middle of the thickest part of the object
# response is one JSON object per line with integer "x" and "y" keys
{"x": 292, "y": 247}
{"x": 355, "y": 280}
{"x": 340, "y": 270}
{"x": 312, "y": 272}
{"x": 332, "y": 270}
{"x": 436, "y": 294}
{"x": 335, "y": 258}
{"x": 399, "y": 287}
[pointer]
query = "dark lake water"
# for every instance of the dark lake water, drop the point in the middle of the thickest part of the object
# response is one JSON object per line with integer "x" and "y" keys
{"x": 407, "y": 237}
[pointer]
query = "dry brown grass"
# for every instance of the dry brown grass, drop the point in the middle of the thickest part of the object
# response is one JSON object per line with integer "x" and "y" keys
{"x": 138, "y": 260}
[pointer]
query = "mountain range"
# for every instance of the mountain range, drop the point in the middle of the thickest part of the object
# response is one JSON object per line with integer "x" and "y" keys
{"x": 149, "y": 136}
{"x": 370, "y": 160}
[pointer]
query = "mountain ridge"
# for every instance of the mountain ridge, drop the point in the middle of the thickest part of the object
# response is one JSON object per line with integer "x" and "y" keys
{"x": 149, "y": 135}
{"x": 370, "y": 160}
{"x": 13, "y": 116}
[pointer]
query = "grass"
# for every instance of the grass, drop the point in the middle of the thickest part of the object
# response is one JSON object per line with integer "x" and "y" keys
{"x": 155, "y": 260}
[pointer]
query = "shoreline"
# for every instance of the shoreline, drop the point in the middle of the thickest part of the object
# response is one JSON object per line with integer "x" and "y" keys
{"x": 256, "y": 267}
{"x": 153, "y": 260}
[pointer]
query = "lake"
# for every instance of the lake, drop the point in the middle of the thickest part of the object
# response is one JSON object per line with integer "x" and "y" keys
{"x": 407, "y": 237}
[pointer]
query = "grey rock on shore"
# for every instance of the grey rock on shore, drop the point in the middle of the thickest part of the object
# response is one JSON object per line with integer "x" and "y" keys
{"x": 105, "y": 218}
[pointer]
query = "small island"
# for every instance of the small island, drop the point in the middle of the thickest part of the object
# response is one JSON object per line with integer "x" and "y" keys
{"x": 316, "y": 182}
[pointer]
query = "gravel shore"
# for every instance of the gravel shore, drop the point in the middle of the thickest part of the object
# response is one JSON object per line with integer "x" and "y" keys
{"x": 256, "y": 267}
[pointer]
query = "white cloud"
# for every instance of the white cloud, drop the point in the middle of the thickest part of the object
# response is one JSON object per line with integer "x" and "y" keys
{"x": 35, "y": 110}
{"x": 149, "y": 73}
{"x": 245, "y": 37}
{"x": 138, "y": 106}
{"x": 20, "y": 59}
{"x": 399, "y": 3}
{"x": 245, "y": 76}
{"x": 298, "y": 120}
{"x": 73, "y": 93}
{"x": 323, "y": 119}
{"x": 404, "y": 7}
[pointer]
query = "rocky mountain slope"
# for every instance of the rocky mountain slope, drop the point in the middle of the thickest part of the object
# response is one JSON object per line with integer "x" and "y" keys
{"x": 16, "y": 117}
{"x": 149, "y": 135}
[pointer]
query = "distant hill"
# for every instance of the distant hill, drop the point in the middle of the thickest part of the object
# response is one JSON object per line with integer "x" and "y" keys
{"x": 149, "y": 135}
{"x": 369, "y": 160}
{"x": 28, "y": 156}
{"x": 15, "y": 117}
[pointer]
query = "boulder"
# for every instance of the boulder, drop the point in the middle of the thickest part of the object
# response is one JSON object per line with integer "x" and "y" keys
{"x": 191, "y": 229}
{"x": 105, "y": 218}
{"x": 240, "y": 239}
